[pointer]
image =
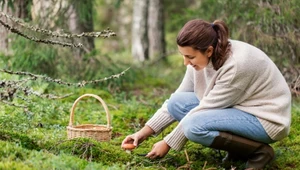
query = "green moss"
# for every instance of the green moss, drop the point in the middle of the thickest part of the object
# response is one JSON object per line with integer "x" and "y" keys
{"x": 92, "y": 150}
{"x": 19, "y": 139}
{"x": 15, "y": 165}
{"x": 15, "y": 157}
{"x": 37, "y": 139}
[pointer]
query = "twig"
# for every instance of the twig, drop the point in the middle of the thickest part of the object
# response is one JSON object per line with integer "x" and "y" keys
{"x": 10, "y": 83}
{"x": 204, "y": 165}
{"x": 16, "y": 31}
{"x": 233, "y": 168}
{"x": 13, "y": 104}
{"x": 24, "y": 99}
{"x": 58, "y": 81}
{"x": 186, "y": 155}
{"x": 188, "y": 164}
{"x": 91, "y": 155}
{"x": 212, "y": 168}
{"x": 51, "y": 96}
{"x": 105, "y": 33}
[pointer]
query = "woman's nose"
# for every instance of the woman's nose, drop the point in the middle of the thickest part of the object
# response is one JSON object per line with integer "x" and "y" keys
{"x": 186, "y": 61}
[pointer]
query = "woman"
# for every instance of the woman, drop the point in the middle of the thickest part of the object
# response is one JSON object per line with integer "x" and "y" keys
{"x": 232, "y": 98}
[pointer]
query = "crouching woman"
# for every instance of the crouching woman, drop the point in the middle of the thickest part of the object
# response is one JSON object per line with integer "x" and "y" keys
{"x": 232, "y": 98}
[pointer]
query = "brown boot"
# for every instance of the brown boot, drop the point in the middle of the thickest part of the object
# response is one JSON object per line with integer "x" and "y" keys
{"x": 230, "y": 157}
{"x": 263, "y": 154}
{"x": 258, "y": 154}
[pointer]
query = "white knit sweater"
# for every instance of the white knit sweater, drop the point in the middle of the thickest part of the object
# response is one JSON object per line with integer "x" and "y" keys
{"x": 248, "y": 81}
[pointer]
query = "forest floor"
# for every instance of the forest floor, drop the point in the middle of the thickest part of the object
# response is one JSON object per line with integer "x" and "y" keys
{"x": 36, "y": 137}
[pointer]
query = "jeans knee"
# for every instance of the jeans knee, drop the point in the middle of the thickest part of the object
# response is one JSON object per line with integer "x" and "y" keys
{"x": 174, "y": 106}
{"x": 189, "y": 128}
{"x": 187, "y": 131}
{"x": 180, "y": 103}
{"x": 196, "y": 132}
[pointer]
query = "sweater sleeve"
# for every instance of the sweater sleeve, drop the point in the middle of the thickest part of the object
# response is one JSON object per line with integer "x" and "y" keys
{"x": 162, "y": 118}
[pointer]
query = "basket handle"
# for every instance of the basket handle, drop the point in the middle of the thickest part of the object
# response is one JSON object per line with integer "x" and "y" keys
{"x": 99, "y": 99}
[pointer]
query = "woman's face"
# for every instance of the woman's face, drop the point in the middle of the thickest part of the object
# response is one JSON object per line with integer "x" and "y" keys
{"x": 194, "y": 57}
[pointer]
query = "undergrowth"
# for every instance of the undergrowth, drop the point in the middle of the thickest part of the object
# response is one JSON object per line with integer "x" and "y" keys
{"x": 36, "y": 138}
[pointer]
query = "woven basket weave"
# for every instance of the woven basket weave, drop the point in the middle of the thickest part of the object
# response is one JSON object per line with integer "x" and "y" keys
{"x": 97, "y": 132}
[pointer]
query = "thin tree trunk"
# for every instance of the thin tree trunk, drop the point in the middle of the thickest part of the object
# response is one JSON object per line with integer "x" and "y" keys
{"x": 46, "y": 13}
{"x": 19, "y": 10}
{"x": 124, "y": 22}
{"x": 156, "y": 29}
{"x": 78, "y": 24}
{"x": 4, "y": 33}
{"x": 21, "y": 7}
{"x": 51, "y": 12}
{"x": 139, "y": 31}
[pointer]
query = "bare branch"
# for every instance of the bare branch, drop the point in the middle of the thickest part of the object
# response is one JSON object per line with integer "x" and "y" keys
{"x": 105, "y": 33}
{"x": 13, "y": 104}
{"x": 58, "y": 81}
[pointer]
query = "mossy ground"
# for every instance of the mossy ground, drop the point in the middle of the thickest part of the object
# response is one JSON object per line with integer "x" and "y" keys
{"x": 36, "y": 138}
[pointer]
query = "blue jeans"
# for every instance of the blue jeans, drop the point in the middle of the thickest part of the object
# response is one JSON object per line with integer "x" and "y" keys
{"x": 203, "y": 126}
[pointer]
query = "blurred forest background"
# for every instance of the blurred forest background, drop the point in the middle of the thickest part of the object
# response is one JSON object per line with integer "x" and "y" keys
{"x": 146, "y": 32}
{"x": 60, "y": 49}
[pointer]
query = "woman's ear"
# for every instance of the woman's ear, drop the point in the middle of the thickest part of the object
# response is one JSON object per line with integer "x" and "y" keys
{"x": 209, "y": 51}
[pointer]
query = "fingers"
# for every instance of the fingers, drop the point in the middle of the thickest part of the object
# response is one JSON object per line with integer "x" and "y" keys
{"x": 128, "y": 139}
{"x": 131, "y": 139}
{"x": 152, "y": 155}
{"x": 135, "y": 141}
{"x": 159, "y": 150}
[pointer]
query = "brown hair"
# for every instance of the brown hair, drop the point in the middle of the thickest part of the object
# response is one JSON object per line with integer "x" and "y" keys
{"x": 200, "y": 34}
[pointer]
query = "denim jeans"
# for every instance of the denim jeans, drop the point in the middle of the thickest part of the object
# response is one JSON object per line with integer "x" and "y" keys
{"x": 203, "y": 126}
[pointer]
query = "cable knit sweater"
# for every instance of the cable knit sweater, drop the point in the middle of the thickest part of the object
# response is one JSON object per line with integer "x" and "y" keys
{"x": 248, "y": 81}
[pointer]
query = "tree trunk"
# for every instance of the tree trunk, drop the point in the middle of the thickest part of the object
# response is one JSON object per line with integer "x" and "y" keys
{"x": 124, "y": 22}
{"x": 4, "y": 32}
{"x": 54, "y": 12}
{"x": 139, "y": 31}
{"x": 82, "y": 23}
{"x": 46, "y": 13}
{"x": 19, "y": 10}
{"x": 156, "y": 29}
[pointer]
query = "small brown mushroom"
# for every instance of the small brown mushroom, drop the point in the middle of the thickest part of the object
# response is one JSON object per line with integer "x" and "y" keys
{"x": 128, "y": 146}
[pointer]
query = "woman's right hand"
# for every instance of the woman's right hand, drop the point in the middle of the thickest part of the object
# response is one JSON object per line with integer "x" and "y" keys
{"x": 138, "y": 137}
{"x": 134, "y": 139}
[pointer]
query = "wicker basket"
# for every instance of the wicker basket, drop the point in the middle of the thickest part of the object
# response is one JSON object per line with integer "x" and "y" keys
{"x": 97, "y": 132}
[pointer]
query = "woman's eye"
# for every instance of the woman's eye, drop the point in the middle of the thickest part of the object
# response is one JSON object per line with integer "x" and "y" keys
{"x": 189, "y": 57}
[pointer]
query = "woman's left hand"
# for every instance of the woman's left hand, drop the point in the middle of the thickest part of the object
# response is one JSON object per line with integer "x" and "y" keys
{"x": 159, "y": 150}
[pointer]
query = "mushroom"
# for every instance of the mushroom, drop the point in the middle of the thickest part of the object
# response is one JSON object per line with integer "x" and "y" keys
{"x": 128, "y": 147}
